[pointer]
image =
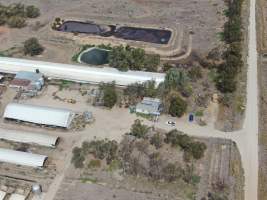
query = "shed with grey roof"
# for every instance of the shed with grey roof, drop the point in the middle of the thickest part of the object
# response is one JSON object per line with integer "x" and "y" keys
{"x": 149, "y": 106}
{"x": 28, "y": 81}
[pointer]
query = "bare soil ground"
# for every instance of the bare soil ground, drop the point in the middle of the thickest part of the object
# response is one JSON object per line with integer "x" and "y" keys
{"x": 204, "y": 18}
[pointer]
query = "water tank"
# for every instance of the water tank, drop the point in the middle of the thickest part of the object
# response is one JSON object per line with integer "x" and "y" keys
{"x": 36, "y": 189}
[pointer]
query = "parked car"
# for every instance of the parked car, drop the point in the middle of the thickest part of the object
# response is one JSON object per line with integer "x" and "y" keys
{"x": 171, "y": 123}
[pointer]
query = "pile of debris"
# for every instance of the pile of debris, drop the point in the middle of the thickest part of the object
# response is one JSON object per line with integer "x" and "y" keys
{"x": 81, "y": 120}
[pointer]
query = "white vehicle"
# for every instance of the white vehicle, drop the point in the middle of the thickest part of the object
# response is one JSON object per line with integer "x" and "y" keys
{"x": 171, "y": 123}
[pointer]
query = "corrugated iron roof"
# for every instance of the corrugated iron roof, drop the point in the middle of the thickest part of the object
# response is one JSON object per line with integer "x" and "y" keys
{"x": 39, "y": 114}
{"x": 28, "y": 137}
{"x": 22, "y": 158}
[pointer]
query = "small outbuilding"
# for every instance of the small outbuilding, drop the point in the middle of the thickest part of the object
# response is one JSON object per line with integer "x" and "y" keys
{"x": 41, "y": 115}
{"x": 22, "y": 158}
{"x": 28, "y": 81}
{"x": 149, "y": 106}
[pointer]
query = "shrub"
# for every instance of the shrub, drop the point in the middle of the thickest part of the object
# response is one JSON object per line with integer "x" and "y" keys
{"x": 138, "y": 129}
{"x": 156, "y": 140}
{"x": 195, "y": 73}
{"x": 102, "y": 149}
{"x": 32, "y": 11}
{"x": 16, "y": 22}
{"x": 77, "y": 157}
{"x": 32, "y": 47}
{"x": 171, "y": 172}
{"x": 177, "y": 106}
{"x": 167, "y": 67}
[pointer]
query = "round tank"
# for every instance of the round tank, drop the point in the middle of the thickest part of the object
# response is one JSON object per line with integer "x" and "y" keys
{"x": 37, "y": 189}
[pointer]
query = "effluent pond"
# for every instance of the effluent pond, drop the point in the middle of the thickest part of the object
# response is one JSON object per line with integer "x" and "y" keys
{"x": 150, "y": 35}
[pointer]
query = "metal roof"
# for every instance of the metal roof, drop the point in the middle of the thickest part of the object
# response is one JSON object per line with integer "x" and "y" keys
{"x": 2, "y": 195}
{"x": 20, "y": 82}
{"x": 79, "y": 73}
{"x": 15, "y": 196}
{"x": 149, "y": 105}
{"x": 22, "y": 158}
{"x": 39, "y": 114}
{"x": 28, "y": 137}
{"x": 31, "y": 76}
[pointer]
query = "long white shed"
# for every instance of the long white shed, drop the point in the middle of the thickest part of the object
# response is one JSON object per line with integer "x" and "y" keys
{"x": 22, "y": 158}
{"x": 39, "y": 114}
{"x": 79, "y": 73}
{"x": 29, "y": 137}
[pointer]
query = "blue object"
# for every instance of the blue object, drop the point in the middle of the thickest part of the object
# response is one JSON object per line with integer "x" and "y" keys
{"x": 191, "y": 117}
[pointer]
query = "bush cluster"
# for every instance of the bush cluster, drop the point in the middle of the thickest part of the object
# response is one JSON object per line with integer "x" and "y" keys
{"x": 138, "y": 129}
{"x": 101, "y": 149}
{"x": 125, "y": 58}
{"x": 190, "y": 147}
{"x": 15, "y": 15}
{"x": 139, "y": 90}
{"x": 32, "y": 47}
{"x": 232, "y": 36}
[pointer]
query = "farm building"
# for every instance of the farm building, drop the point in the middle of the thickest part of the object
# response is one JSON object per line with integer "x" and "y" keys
{"x": 41, "y": 115}
{"x": 28, "y": 81}
{"x": 79, "y": 73}
{"x": 29, "y": 137}
{"x": 149, "y": 106}
{"x": 22, "y": 158}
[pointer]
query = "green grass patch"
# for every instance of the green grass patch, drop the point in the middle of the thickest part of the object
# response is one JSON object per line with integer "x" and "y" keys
{"x": 199, "y": 113}
{"x": 89, "y": 180}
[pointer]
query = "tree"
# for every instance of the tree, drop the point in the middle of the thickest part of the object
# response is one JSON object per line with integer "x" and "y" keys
{"x": 177, "y": 106}
{"x": 150, "y": 89}
{"x": 151, "y": 62}
{"x": 118, "y": 58}
{"x": 32, "y": 11}
{"x": 32, "y": 47}
{"x": 174, "y": 77}
{"x": 110, "y": 95}
{"x": 138, "y": 129}
{"x": 197, "y": 149}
